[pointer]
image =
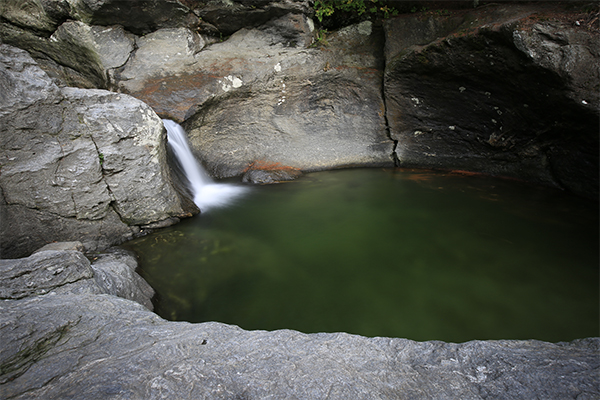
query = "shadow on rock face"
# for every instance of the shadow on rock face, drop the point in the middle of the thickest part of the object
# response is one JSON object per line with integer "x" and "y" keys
{"x": 497, "y": 90}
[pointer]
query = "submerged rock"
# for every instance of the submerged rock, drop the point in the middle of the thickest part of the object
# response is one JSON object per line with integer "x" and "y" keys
{"x": 76, "y": 164}
{"x": 506, "y": 89}
{"x": 261, "y": 173}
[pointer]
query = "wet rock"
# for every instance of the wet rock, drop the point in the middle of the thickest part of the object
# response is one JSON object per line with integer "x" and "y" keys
{"x": 76, "y": 163}
{"x": 506, "y": 90}
{"x": 103, "y": 346}
{"x": 266, "y": 175}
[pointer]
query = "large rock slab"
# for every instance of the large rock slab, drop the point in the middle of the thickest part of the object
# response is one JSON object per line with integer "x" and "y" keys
{"x": 65, "y": 330}
{"x": 77, "y": 164}
{"x": 309, "y": 109}
{"x": 35, "y": 15}
{"x": 175, "y": 72}
{"x": 60, "y": 268}
{"x": 75, "y": 53}
{"x": 104, "y": 346}
{"x": 115, "y": 273}
{"x": 508, "y": 90}
{"x": 44, "y": 272}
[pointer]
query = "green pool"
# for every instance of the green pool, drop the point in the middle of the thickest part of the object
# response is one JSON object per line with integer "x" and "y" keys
{"x": 412, "y": 254}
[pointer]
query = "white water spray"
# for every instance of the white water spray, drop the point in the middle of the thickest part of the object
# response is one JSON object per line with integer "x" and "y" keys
{"x": 207, "y": 194}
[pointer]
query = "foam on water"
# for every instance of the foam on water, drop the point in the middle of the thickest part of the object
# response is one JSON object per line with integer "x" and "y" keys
{"x": 207, "y": 193}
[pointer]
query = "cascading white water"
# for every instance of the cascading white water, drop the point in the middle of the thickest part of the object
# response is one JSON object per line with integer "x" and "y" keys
{"x": 207, "y": 194}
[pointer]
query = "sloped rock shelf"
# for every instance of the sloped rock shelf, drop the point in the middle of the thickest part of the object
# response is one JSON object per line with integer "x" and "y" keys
{"x": 398, "y": 253}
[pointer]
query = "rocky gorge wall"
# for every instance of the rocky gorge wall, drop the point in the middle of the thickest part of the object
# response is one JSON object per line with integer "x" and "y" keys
{"x": 505, "y": 89}
{"x": 82, "y": 164}
{"x": 510, "y": 90}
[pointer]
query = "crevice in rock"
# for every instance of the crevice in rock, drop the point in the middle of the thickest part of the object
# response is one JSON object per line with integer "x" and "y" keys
{"x": 394, "y": 155}
{"x": 113, "y": 202}
{"x": 113, "y": 74}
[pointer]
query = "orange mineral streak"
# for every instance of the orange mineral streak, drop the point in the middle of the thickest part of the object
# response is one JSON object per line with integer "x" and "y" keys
{"x": 268, "y": 166}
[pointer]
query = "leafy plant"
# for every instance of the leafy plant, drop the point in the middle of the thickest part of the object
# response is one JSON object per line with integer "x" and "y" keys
{"x": 414, "y": 9}
{"x": 326, "y": 8}
{"x": 320, "y": 39}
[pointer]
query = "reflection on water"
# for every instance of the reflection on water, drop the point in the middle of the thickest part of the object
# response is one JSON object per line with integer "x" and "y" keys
{"x": 386, "y": 253}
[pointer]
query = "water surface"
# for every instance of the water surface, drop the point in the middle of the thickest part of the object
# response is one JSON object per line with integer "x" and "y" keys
{"x": 411, "y": 254}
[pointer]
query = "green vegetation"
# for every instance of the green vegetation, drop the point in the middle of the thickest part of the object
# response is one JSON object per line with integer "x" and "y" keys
{"x": 320, "y": 39}
{"x": 326, "y": 8}
{"x": 101, "y": 157}
{"x": 414, "y": 9}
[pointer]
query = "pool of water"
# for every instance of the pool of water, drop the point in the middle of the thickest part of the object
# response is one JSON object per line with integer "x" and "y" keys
{"x": 413, "y": 254}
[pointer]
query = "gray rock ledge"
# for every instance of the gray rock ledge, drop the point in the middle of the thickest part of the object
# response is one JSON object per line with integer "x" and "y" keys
{"x": 86, "y": 344}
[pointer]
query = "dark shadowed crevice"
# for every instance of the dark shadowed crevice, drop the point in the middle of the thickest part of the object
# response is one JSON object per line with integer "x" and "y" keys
{"x": 394, "y": 155}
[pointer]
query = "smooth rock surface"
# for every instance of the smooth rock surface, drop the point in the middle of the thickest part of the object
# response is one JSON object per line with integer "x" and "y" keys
{"x": 509, "y": 90}
{"x": 76, "y": 164}
{"x": 309, "y": 109}
{"x": 267, "y": 176}
{"x": 61, "y": 335}
{"x": 114, "y": 273}
{"x": 106, "y": 347}
{"x": 42, "y": 273}
{"x": 175, "y": 73}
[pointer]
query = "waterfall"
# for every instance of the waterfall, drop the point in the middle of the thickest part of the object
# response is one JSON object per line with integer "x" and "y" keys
{"x": 207, "y": 194}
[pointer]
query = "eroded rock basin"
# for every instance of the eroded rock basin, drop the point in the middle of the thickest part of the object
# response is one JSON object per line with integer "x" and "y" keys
{"x": 70, "y": 328}
{"x": 396, "y": 253}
